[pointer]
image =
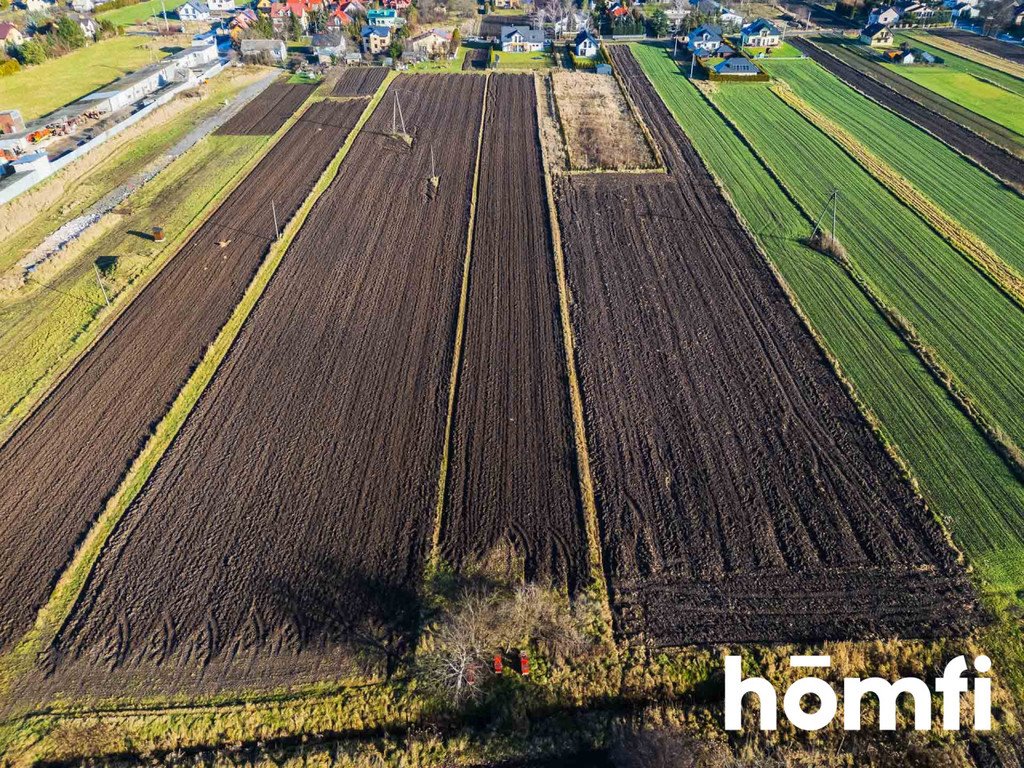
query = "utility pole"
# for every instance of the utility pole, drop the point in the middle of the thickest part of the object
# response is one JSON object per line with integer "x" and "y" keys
{"x": 693, "y": 60}
{"x": 99, "y": 282}
{"x": 832, "y": 200}
{"x": 163, "y": 7}
{"x": 277, "y": 232}
{"x": 835, "y": 207}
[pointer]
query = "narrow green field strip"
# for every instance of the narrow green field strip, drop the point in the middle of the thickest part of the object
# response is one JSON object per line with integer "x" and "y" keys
{"x": 973, "y": 327}
{"x": 970, "y": 195}
{"x": 965, "y": 483}
{"x": 988, "y": 100}
{"x": 961, "y": 64}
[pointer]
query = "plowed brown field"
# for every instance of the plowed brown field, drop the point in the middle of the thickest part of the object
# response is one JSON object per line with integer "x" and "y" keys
{"x": 268, "y": 111}
{"x": 359, "y": 81}
{"x": 512, "y": 468}
{"x": 741, "y": 495}
{"x": 1008, "y": 51}
{"x": 290, "y": 518}
{"x": 59, "y": 468}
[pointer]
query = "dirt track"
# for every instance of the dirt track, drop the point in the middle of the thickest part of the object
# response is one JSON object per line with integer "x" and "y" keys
{"x": 291, "y": 517}
{"x": 997, "y": 160}
{"x": 741, "y": 495}
{"x": 512, "y": 469}
{"x": 359, "y": 81}
{"x": 64, "y": 462}
{"x": 1008, "y": 51}
{"x": 268, "y": 111}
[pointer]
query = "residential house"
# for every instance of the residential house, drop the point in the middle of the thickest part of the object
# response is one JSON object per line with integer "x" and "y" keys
{"x": 569, "y": 24}
{"x": 353, "y": 9}
{"x": 1018, "y": 16}
{"x": 83, "y": 6}
{"x": 585, "y": 45}
{"x": 761, "y": 33}
{"x": 224, "y": 6}
{"x": 886, "y": 15}
{"x": 876, "y": 35}
{"x": 434, "y": 42}
{"x": 736, "y": 65}
{"x": 729, "y": 18}
{"x": 376, "y": 39}
{"x": 617, "y": 11}
{"x": 676, "y": 19}
{"x": 397, "y": 5}
{"x": 263, "y": 6}
{"x": 966, "y": 11}
{"x": 704, "y": 39}
{"x": 40, "y": 6}
{"x": 275, "y": 50}
{"x": 11, "y": 121}
{"x": 328, "y": 46}
{"x": 522, "y": 39}
{"x": 9, "y": 35}
{"x": 194, "y": 10}
{"x": 85, "y": 23}
{"x": 917, "y": 12}
{"x": 382, "y": 17}
{"x": 337, "y": 20}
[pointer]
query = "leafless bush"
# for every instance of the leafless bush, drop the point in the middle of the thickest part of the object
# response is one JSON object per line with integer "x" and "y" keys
{"x": 827, "y": 244}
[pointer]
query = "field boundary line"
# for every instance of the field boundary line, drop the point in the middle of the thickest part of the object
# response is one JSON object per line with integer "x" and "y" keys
{"x": 105, "y": 319}
{"x": 460, "y": 328}
{"x": 586, "y": 480}
{"x": 645, "y": 129}
{"x": 978, "y": 253}
{"x": 1017, "y": 153}
{"x": 55, "y": 612}
{"x": 993, "y": 435}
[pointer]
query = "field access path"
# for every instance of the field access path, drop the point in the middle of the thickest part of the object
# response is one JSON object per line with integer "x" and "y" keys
{"x": 741, "y": 495}
{"x": 300, "y": 494}
{"x": 512, "y": 469}
{"x": 989, "y": 156}
{"x": 61, "y": 465}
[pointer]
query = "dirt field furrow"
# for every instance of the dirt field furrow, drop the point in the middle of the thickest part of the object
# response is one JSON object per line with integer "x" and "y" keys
{"x": 359, "y": 81}
{"x": 512, "y": 469}
{"x": 741, "y": 495}
{"x": 994, "y": 159}
{"x": 59, "y": 468}
{"x": 291, "y": 517}
{"x": 1008, "y": 51}
{"x": 268, "y": 111}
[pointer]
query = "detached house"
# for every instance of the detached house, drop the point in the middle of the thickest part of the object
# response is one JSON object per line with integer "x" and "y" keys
{"x": 338, "y": 19}
{"x": 736, "y": 65}
{"x": 876, "y": 35}
{"x": 193, "y": 10}
{"x": 376, "y": 39}
{"x": 585, "y": 45}
{"x": 221, "y": 5}
{"x": 761, "y": 33}
{"x": 9, "y": 35}
{"x": 382, "y": 17}
{"x": 886, "y": 15}
{"x": 705, "y": 39}
{"x": 434, "y": 42}
{"x": 521, "y": 39}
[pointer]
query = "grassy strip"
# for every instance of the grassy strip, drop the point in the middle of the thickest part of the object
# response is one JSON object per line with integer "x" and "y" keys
{"x": 587, "y": 495}
{"x": 460, "y": 328}
{"x": 971, "y": 246}
{"x": 53, "y": 615}
{"x": 951, "y": 61}
{"x": 108, "y": 315}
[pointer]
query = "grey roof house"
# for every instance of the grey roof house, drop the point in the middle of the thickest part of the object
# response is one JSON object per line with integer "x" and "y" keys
{"x": 521, "y": 39}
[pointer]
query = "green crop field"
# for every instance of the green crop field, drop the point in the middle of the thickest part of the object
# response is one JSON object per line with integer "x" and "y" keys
{"x": 961, "y": 64}
{"x": 44, "y": 87}
{"x": 988, "y": 100}
{"x": 968, "y": 194}
{"x": 964, "y": 481}
{"x": 133, "y": 14}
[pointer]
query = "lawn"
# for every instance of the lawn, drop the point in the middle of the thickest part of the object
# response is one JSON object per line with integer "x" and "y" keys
{"x": 960, "y": 64}
{"x": 41, "y": 330}
{"x": 134, "y": 14}
{"x": 537, "y": 60}
{"x": 45, "y": 87}
{"x": 997, "y": 104}
{"x": 442, "y": 65}
{"x": 968, "y": 194}
{"x": 964, "y": 481}
{"x": 783, "y": 51}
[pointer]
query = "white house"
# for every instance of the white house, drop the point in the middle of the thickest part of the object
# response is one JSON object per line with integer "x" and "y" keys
{"x": 705, "y": 38}
{"x": 521, "y": 39}
{"x": 729, "y": 17}
{"x": 83, "y": 6}
{"x": 876, "y": 35}
{"x": 328, "y": 46}
{"x": 585, "y": 46}
{"x": 85, "y": 23}
{"x": 9, "y": 35}
{"x": 227, "y": 6}
{"x": 761, "y": 33}
{"x": 40, "y": 6}
{"x": 886, "y": 15}
{"x": 194, "y": 10}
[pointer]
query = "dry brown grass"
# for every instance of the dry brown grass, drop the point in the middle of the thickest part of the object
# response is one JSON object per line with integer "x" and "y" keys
{"x": 600, "y": 130}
